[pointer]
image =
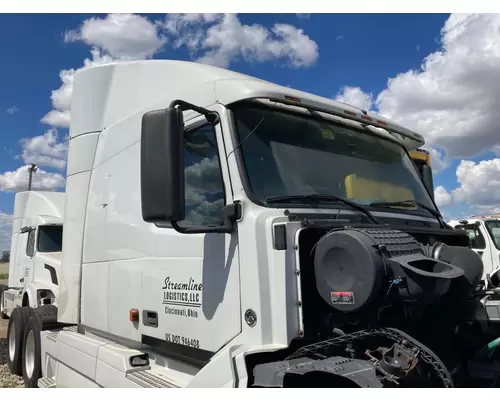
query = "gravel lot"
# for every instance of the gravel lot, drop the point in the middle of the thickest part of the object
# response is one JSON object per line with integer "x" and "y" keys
{"x": 4, "y": 267}
{"x": 7, "y": 380}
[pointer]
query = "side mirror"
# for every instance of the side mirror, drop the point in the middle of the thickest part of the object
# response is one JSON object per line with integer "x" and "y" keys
{"x": 162, "y": 165}
{"x": 427, "y": 179}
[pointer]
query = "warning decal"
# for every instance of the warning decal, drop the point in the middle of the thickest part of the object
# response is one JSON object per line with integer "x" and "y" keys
{"x": 342, "y": 297}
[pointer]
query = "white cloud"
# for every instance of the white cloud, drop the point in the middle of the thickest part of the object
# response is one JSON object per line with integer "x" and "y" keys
{"x": 179, "y": 24}
{"x": 439, "y": 160}
{"x": 122, "y": 36}
{"x": 479, "y": 184}
{"x": 354, "y": 96}
{"x": 443, "y": 197}
{"x": 220, "y": 39}
{"x": 61, "y": 98}
{"x": 5, "y": 231}
{"x": 45, "y": 150}
{"x": 453, "y": 98}
{"x": 16, "y": 181}
{"x": 207, "y": 213}
{"x": 114, "y": 38}
{"x": 202, "y": 178}
{"x": 205, "y": 175}
{"x": 211, "y": 38}
{"x": 12, "y": 110}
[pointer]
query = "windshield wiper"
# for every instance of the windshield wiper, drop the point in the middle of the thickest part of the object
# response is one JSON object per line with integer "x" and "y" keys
{"x": 431, "y": 210}
{"x": 359, "y": 207}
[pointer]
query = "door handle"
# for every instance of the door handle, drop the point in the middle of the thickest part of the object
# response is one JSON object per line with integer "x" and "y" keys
{"x": 150, "y": 318}
{"x": 21, "y": 280}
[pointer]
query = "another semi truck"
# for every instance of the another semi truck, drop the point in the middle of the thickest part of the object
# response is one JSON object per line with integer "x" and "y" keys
{"x": 484, "y": 239}
{"x": 35, "y": 261}
{"x": 224, "y": 231}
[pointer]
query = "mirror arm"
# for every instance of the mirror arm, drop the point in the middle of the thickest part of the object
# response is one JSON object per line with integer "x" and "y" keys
{"x": 211, "y": 116}
{"x": 230, "y": 214}
{"x": 27, "y": 229}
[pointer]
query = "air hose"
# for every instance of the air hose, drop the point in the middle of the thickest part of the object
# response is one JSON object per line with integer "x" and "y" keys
{"x": 489, "y": 349}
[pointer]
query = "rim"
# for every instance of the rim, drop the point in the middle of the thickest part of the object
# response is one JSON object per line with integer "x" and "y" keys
{"x": 29, "y": 355}
{"x": 12, "y": 341}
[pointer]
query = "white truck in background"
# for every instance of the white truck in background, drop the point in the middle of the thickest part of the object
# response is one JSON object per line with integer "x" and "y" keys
{"x": 484, "y": 238}
{"x": 35, "y": 261}
{"x": 203, "y": 248}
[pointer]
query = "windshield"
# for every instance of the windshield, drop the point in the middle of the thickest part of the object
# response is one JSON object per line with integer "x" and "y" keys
{"x": 288, "y": 154}
{"x": 493, "y": 227}
{"x": 50, "y": 238}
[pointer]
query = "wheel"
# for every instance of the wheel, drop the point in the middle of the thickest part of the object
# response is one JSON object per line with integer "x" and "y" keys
{"x": 3, "y": 288}
{"x": 43, "y": 317}
{"x": 32, "y": 354}
{"x": 15, "y": 337}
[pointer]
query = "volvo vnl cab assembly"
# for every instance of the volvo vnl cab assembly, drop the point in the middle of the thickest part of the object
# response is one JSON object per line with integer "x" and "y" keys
{"x": 224, "y": 231}
{"x": 35, "y": 261}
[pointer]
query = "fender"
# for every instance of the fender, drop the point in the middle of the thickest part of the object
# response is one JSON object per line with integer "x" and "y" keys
{"x": 34, "y": 288}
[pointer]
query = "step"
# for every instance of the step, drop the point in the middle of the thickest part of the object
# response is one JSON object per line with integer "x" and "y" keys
{"x": 148, "y": 379}
{"x": 46, "y": 383}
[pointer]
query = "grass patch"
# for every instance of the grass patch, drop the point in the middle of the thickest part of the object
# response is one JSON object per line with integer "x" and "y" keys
{"x": 4, "y": 276}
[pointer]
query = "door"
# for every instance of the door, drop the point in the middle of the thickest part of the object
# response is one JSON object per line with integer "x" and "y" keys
{"x": 479, "y": 242}
{"x": 191, "y": 295}
{"x": 23, "y": 261}
{"x": 28, "y": 263}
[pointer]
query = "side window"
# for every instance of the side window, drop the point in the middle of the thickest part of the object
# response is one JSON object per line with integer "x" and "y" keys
{"x": 205, "y": 196}
{"x": 30, "y": 246}
{"x": 476, "y": 239}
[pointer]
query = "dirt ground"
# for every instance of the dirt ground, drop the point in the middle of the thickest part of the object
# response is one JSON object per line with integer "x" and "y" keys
{"x": 7, "y": 380}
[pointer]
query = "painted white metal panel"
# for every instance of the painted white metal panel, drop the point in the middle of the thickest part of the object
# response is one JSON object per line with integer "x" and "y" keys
{"x": 94, "y": 304}
{"x": 69, "y": 282}
{"x": 81, "y": 153}
{"x": 142, "y": 256}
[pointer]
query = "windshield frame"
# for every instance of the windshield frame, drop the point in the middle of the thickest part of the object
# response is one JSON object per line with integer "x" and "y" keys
{"x": 39, "y": 229}
{"x": 490, "y": 233}
{"x": 418, "y": 212}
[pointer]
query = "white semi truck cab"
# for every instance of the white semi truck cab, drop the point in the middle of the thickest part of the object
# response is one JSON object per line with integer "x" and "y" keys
{"x": 484, "y": 239}
{"x": 35, "y": 262}
{"x": 36, "y": 251}
{"x": 224, "y": 231}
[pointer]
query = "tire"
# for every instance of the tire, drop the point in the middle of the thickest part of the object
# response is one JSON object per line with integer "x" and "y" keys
{"x": 3, "y": 288}
{"x": 43, "y": 317}
{"x": 32, "y": 352}
{"x": 15, "y": 338}
{"x": 47, "y": 311}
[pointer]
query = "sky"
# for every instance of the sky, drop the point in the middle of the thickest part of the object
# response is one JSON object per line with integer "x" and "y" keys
{"x": 436, "y": 73}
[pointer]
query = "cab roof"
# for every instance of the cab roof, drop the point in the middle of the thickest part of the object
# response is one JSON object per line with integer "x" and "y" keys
{"x": 106, "y": 94}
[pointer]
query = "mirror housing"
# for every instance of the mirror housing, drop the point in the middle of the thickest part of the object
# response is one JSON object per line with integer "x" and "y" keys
{"x": 427, "y": 179}
{"x": 26, "y": 229}
{"x": 162, "y": 165}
